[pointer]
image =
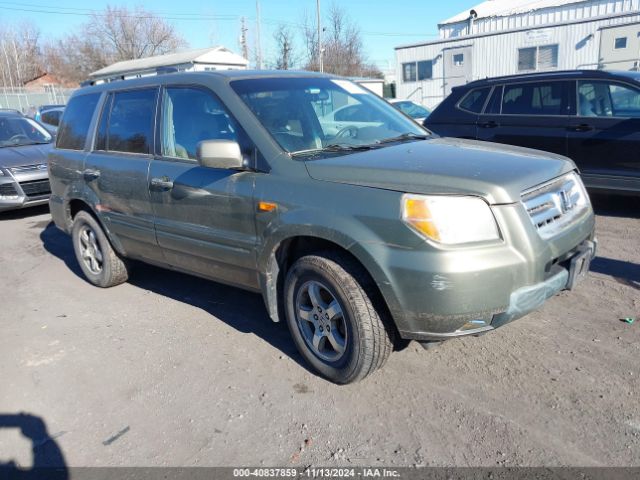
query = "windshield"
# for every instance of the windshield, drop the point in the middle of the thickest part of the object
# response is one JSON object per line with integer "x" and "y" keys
{"x": 316, "y": 114}
{"x": 413, "y": 109}
{"x": 15, "y": 131}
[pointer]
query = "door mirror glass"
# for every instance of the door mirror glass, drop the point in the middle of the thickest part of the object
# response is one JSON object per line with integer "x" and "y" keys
{"x": 219, "y": 154}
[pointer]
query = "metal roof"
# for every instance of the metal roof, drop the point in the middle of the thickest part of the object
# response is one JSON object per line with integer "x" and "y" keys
{"x": 505, "y": 8}
{"x": 214, "y": 55}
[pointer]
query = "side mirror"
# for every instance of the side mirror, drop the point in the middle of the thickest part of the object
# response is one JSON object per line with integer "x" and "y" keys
{"x": 219, "y": 154}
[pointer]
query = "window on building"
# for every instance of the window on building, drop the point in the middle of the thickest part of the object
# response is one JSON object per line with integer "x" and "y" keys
{"x": 458, "y": 59}
{"x": 544, "y": 98}
{"x": 425, "y": 70}
{"x": 621, "y": 43}
{"x": 128, "y": 125}
{"x": 604, "y": 99}
{"x": 538, "y": 58}
{"x": 76, "y": 120}
{"x": 474, "y": 100}
{"x": 409, "y": 72}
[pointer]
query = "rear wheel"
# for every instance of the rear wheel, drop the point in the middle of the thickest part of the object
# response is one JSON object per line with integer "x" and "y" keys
{"x": 100, "y": 264}
{"x": 332, "y": 319}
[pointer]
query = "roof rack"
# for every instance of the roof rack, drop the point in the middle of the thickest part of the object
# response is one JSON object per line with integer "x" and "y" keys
{"x": 158, "y": 71}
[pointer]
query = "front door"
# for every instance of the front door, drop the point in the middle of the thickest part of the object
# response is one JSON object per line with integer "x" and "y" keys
{"x": 457, "y": 68}
{"x": 604, "y": 138}
{"x": 533, "y": 115}
{"x": 117, "y": 167}
{"x": 204, "y": 217}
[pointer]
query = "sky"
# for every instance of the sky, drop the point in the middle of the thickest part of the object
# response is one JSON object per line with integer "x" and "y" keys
{"x": 383, "y": 24}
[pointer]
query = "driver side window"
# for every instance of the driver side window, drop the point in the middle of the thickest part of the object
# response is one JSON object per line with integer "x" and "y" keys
{"x": 189, "y": 116}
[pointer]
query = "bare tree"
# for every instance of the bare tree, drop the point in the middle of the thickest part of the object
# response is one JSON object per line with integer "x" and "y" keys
{"x": 286, "y": 56}
{"x": 19, "y": 55}
{"x": 343, "y": 52}
{"x": 113, "y": 35}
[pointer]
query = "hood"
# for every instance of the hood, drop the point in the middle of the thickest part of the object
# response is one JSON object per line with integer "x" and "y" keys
{"x": 498, "y": 173}
{"x": 24, "y": 155}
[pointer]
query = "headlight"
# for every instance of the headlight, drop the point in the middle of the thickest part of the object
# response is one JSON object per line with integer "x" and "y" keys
{"x": 450, "y": 220}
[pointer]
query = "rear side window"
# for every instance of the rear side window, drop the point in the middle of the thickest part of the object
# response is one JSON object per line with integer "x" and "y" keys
{"x": 74, "y": 127}
{"x": 51, "y": 117}
{"x": 474, "y": 100}
{"x": 127, "y": 121}
{"x": 544, "y": 98}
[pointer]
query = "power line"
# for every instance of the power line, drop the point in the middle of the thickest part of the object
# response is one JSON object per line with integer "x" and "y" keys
{"x": 87, "y": 12}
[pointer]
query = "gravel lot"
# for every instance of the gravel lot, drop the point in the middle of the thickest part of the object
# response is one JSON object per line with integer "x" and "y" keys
{"x": 172, "y": 370}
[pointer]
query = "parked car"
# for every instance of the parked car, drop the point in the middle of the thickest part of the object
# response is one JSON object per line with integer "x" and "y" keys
{"x": 591, "y": 116}
{"x": 37, "y": 114}
{"x": 412, "y": 109}
{"x": 353, "y": 239}
{"x": 24, "y": 146}
{"x": 50, "y": 118}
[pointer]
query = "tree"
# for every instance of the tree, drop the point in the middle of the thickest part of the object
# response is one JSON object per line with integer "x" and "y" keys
{"x": 19, "y": 55}
{"x": 113, "y": 35}
{"x": 342, "y": 53}
{"x": 285, "y": 49}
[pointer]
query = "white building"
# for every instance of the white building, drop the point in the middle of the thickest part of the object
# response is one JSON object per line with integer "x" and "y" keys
{"x": 505, "y": 37}
{"x": 204, "y": 59}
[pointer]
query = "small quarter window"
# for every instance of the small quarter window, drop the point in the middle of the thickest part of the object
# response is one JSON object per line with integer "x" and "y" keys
{"x": 474, "y": 100}
{"x": 74, "y": 127}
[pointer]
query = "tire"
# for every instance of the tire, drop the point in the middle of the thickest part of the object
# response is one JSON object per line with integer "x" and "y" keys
{"x": 343, "y": 346}
{"x": 99, "y": 263}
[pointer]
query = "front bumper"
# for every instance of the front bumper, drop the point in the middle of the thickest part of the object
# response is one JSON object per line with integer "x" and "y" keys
{"x": 526, "y": 299}
{"x": 24, "y": 190}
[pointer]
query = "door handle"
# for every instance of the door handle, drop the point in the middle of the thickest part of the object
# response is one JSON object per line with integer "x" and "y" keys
{"x": 489, "y": 124}
{"x": 164, "y": 183}
{"x": 90, "y": 174}
{"x": 583, "y": 127}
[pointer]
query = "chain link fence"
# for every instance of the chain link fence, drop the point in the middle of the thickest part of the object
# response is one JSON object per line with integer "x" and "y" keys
{"x": 27, "y": 99}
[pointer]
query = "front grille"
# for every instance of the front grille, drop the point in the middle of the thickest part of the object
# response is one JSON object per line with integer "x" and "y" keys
{"x": 555, "y": 204}
{"x": 7, "y": 190}
{"x": 36, "y": 188}
{"x": 39, "y": 167}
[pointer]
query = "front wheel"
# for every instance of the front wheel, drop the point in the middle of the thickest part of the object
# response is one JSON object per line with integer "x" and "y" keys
{"x": 332, "y": 318}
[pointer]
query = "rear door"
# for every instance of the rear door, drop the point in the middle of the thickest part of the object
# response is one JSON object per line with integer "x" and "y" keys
{"x": 118, "y": 166}
{"x": 458, "y": 114}
{"x": 604, "y": 137}
{"x": 204, "y": 217}
{"x": 533, "y": 115}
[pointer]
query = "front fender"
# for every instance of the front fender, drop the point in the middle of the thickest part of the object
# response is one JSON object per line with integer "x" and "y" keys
{"x": 347, "y": 233}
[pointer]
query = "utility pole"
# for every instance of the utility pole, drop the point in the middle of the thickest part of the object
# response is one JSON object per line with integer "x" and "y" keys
{"x": 258, "y": 39}
{"x": 243, "y": 38}
{"x": 320, "y": 50}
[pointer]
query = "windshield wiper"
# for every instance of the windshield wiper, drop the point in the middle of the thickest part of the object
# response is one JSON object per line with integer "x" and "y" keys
{"x": 405, "y": 136}
{"x": 335, "y": 147}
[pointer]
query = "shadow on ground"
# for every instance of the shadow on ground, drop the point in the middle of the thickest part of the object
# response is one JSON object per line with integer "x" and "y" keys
{"x": 626, "y": 206}
{"x": 48, "y": 459}
{"x": 24, "y": 213}
{"x": 626, "y": 273}
{"x": 244, "y": 311}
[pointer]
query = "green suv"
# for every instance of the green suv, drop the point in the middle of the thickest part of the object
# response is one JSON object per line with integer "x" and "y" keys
{"x": 359, "y": 233}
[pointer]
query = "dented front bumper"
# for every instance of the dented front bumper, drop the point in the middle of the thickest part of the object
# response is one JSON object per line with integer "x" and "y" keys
{"x": 448, "y": 293}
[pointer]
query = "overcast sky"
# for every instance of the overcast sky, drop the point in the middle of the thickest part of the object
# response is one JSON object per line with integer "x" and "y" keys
{"x": 384, "y": 24}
